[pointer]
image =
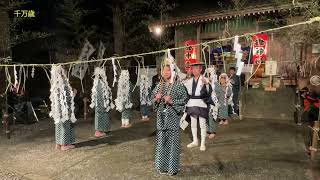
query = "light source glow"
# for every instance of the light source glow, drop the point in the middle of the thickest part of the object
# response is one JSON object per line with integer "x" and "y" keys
{"x": 158, "y": 31}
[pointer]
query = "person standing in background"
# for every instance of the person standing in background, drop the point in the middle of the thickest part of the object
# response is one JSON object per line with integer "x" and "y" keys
{"x": 235, "y": 81}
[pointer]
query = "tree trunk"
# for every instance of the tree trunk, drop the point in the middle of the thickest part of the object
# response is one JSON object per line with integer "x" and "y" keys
{"x": 4, "y": 32}
{"x": 118, "y": 28}
{"x": 4, "y": 52}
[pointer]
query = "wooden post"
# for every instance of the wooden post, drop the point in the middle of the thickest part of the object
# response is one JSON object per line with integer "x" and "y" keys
{"x": 198, "y": 41}
{"x": 270, "y": 88}
{"x": 314, "y": 145}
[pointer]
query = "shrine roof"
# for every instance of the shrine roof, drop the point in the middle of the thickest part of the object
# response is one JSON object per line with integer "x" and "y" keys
{"x": 195, "y": 18}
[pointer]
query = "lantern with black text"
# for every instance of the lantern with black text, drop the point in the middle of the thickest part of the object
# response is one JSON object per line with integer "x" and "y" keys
{"x": 260, "y": 42}
{"x": 189, "y": 53}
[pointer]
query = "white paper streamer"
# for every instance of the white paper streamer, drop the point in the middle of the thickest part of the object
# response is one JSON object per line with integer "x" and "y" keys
{"x": 100, "y": 76}
{"x": 123, "y": 100}
{"x": 32, "y": 72}
{"x": 236, "y": 41}
{"x": 62, "y": 106}
{"x": 15, "y": 77}
{"x": 240, "y": 67}
{"x": 114, "y": 72}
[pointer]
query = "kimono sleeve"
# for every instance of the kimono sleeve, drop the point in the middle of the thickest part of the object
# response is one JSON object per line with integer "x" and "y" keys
{"x": 180, "y": 99}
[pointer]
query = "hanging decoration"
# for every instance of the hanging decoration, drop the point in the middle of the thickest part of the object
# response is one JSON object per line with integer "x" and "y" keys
{"x": 259, "y": 42}
{"x": 114, "y": 72}
{"x": 100, "y": 77}
{"x": 62, "y": 97}
{"x": 138, "y": 72}
{"x": 238, "y": 50}
{"x": 189, "y": 53}
{"x": 16, "y": 83}
{"x": 122, "y": 101}
{"x": 145, "y": 86}
{"x": 32, "y": 72}
{"x": 79, "y": 70}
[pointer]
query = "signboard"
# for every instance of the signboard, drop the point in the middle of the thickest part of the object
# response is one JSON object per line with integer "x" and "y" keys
{"x": 259, "y": 44}
{"x": 190, "y": 53}
{"x": 271, "y": 68}
{"x": 247, "y": 68}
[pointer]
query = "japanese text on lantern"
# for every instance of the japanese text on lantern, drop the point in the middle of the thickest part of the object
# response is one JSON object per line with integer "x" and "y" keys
{"x": 189, "y": 53}
{"x": 259, "y": 43}
{"x": 24, "y": 13}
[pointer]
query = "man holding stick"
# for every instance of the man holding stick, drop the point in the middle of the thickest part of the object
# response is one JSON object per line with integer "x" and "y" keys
{"x": 169, "y": 99}
{"x": 199, "y": 92}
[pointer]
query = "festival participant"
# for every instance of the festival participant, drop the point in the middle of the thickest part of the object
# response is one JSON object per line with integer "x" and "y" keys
{"x": 235, "y": 81}
{"x": 225, "y": 98}
{"x": 169, "y": 99}
{"x": 145, "y": 102}
{"x": 214, "y": 106}
{"x": 62, "y": 109}
{"x": 101, "y": 100}
{"x": 199, "y": 92}
{"x": 123, "y": 100}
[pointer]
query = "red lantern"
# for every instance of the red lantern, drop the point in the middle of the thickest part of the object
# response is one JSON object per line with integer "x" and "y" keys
{"x": 259, "y": 42}
{"x": 189, "y": 53}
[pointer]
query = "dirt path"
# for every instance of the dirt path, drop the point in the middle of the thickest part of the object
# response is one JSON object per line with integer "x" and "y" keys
{"x": 248, "y": 149}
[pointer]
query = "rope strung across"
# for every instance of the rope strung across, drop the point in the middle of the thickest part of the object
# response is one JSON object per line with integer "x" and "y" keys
{"x": 312, "y": 20}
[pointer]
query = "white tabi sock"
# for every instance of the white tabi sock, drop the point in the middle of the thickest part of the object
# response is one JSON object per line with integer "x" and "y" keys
{"x": 195, "y": 138}
{"x": 203, "y": 139}
{"x": 203, "y": 128}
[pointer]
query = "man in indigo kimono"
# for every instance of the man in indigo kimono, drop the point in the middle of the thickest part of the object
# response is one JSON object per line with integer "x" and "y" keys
{"x": 169, "y": 99}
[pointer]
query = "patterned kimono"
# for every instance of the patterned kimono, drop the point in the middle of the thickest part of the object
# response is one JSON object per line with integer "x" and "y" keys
{"x": 64, "y": 131}
{"x": 126, "y": 113}
{"x": 168, "y": 123}
{"x": 212, "y": 121}
{"x": 102, "y": 119}
{"x": 224, "y": 98}
{"x": 235, "y": 81}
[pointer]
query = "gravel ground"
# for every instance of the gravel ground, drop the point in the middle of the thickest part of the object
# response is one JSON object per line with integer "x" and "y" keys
{"x": 247, "y": 149}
